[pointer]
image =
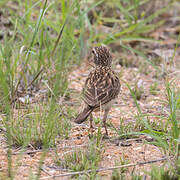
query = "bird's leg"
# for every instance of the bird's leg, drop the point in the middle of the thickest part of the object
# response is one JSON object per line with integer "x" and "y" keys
{"x": 91, "y": 121}
{"x": 91, "y": 128}
{"x": 104, "y": 119}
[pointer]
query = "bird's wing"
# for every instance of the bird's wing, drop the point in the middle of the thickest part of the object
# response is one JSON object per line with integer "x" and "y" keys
{"x": 102, "y": 85}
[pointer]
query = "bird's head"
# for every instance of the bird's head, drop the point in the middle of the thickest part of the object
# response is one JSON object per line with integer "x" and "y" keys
{"x": 102, "y": 56}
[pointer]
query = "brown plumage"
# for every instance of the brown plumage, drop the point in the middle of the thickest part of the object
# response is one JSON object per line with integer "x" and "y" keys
{"x": 101, "y": 87}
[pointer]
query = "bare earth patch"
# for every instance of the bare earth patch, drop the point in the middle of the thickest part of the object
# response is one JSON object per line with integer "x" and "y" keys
{"x": 124, "y": 108}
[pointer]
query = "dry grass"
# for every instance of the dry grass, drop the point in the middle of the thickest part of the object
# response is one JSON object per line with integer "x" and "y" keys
{"x": 41, "y": 78}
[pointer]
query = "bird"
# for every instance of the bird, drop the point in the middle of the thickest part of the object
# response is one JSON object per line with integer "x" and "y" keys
{"x": 101, "y": 88}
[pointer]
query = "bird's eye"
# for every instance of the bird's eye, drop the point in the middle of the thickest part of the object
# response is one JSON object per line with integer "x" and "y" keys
{"x": 93, "y": 51}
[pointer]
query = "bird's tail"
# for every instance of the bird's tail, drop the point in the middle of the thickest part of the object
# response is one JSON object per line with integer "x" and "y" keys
{"x": 83, "y": 115}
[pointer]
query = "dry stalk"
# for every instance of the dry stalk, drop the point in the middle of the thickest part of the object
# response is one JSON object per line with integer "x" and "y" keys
{"x": 105, "y": 169}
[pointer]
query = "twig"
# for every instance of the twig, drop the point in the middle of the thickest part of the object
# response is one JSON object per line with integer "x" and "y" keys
{"x": 39, "y": 150}
{"x": 30, "y": 152}
{"x": 37, "y": 75}
{"x": 43, "y": 169}
{"x": 55, "y": 168}
{"x": 105, "y": 169}
{"x": 56, "y": 43}
{"x": 29, "y": 49}
{"x": 52, "y": 54}
{"x": 59, "y": 36}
